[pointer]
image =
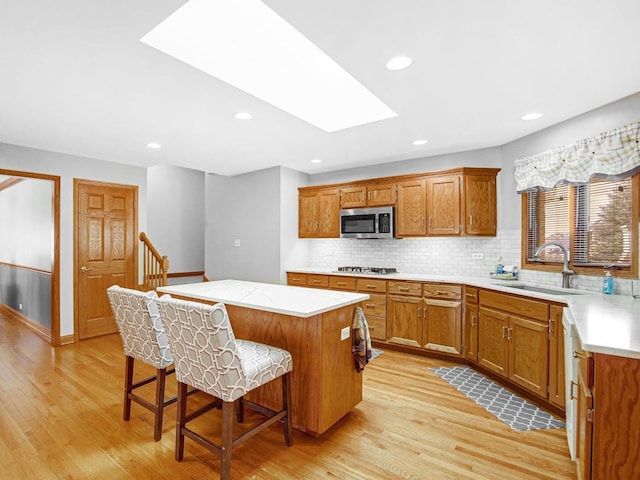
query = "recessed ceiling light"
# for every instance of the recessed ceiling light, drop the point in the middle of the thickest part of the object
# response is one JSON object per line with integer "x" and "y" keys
{"x": 243, "y": 116}
{"x": 531, "y": 116}
{"x": 154, "y": 145}
{"x": 419, "y": 142}
{"x": 399, "y": 63}
{"x": 316, "y": 160}
{"x": 247, "y": 45}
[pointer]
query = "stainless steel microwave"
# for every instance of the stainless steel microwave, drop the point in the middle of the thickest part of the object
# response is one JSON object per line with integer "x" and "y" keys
{"x": 367, "y": 223}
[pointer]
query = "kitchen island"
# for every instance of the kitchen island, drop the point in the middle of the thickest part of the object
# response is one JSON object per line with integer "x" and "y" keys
{"x": 313, "y": 325}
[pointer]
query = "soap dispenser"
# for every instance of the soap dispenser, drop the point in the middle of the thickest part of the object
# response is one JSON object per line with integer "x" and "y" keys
{"x": 607, "y": 283}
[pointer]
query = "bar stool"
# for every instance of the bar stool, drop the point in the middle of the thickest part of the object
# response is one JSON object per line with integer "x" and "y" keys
{"x": 209, "y": 358}
{"x": 143, "y": 339}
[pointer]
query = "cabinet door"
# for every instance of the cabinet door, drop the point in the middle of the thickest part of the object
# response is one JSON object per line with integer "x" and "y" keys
{"x": 556, "y": 357}
{"x": 584, "y": 433}
{"x": 493, "y": 352}
{"x": 411, "y": 210}
{"x": 353, "y": 197}
{"x": 308, "y": 214}
{"x": 380, "y": 195}
{"x": 404, "y": 320}
{"x": 443, "y": 205}
{"x": 329, "y": 214}
{"x": 529, "y": 354}
{"x": 480, "y": 205}
{"x": 442, "y": 321}
{"x": 471, "y": 332}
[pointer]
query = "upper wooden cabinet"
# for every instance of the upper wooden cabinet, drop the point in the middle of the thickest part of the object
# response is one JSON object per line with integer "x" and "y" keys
{"x": 411, "y": 211}
{"x": 455, "y": 202}
{"x": 443, "y": 205}
{"x": 374, "y": 195}
{"x": 480, "y": 205}
{"x": 319, "y": 213}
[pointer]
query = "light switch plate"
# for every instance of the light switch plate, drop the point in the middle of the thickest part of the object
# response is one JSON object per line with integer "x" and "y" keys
{"x": 345, "y": 333}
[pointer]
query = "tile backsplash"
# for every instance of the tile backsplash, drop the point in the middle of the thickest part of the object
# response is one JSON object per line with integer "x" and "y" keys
{"x": 446, "y": 255}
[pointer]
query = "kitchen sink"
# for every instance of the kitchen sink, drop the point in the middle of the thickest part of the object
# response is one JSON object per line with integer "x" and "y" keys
{"x": 548, "y": 291}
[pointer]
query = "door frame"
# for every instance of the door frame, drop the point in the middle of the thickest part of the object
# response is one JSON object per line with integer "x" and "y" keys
{"x": 55, "y": 262}
{"x": 76, "y": 292}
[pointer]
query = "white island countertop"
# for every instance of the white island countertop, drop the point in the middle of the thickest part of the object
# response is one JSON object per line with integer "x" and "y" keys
{"x": 296, "y": 301}
{"x": 608, "y": 324}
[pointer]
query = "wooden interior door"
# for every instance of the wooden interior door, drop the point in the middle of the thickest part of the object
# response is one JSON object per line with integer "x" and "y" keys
{"x": 105, "y": 251}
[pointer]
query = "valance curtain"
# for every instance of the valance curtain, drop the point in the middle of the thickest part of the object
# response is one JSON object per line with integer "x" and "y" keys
{"x": 614, "y": 155}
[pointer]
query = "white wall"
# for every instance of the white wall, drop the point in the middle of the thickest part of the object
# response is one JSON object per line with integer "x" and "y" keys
{"x": 244, "y": 208}
{"x": 453, "y": 255}
{"x": 26, "y": 211}
{"x": 175, "y": 222}
{"x": 293, "y": 251}
{"x": 616, "y": 114}
{"x": 68, "y": 167}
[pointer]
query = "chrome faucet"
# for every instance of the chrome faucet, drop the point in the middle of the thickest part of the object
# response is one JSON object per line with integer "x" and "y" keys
{"x": 566, "y": 271}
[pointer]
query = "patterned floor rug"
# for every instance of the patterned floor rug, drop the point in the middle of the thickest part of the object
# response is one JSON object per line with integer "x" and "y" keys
{"x": 503, "y": 404}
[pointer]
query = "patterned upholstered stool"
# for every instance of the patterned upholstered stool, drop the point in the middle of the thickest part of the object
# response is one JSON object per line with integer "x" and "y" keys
{"x": 143, "y": 338}
{"x": 209, "y": 358}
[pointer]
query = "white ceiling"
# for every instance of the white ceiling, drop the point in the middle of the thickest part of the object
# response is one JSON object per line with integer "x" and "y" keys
{"x": 75, "y": 78}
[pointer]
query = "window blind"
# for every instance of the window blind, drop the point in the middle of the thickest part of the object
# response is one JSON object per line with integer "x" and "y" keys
{"x": 603, "y": 223}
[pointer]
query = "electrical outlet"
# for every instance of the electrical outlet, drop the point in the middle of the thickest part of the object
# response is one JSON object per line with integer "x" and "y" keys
{"x": 20, "y": 306}
{"x": 477, "y": 256}
{"x": 236, "y": 242}
{"x": 345, "y": 333}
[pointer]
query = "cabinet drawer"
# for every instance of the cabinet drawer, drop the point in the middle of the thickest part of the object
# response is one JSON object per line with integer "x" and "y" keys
{"x": 438, "y": 290}
{"x": 342, "y": 283}
{"x": 297, "y": 279}
{"x": 371, "y": 285}
{"x": 319, "y": 281}
{"x": 405, "y": 288}
{"x": 471, "y": 294}
{"x": 538, "y": 310}
{"x": 376, "y": 305}
{"x": 377, "y": 327}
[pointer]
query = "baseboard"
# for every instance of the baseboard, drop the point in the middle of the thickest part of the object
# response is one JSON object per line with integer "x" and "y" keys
{"x": 9, "y": 312}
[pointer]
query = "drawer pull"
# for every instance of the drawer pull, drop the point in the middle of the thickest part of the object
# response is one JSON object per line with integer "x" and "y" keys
{"x": 470, "y": 295}
{"x": 504, "y": 328}
{"x": 373, "y": 287}
{"x": 579, "y": 355}
{"x": 473, "y": 320}
{"x": 404, "y": 289}
{"x": 441, "y": 292}
{"x": 342, "y": 284}
{"x": 370, "y": 305}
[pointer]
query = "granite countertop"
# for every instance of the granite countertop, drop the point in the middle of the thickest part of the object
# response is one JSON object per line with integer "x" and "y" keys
{"x": 608, "y": 324}
{"x": 296, "y": 301}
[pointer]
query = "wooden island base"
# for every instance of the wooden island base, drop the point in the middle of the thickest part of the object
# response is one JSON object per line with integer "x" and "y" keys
{"x": 325, "y": 384}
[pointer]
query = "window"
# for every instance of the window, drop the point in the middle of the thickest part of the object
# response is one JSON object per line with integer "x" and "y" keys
{"x": 596, "y": 222}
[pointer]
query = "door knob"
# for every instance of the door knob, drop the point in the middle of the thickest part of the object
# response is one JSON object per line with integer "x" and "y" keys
{"x": 85, "y": 269}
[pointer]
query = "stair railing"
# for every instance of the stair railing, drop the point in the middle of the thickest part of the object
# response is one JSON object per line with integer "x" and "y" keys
{"x": 155, "y": 266}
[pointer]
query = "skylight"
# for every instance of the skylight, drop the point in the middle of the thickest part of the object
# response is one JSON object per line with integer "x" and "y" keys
{"x": 247, "y": 45}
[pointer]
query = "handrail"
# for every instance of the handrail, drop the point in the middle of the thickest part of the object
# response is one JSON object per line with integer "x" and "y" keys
{"x": 155, "y": 266}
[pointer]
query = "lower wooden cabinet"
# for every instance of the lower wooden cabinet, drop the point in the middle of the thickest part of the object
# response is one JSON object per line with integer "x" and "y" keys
{"x": 404, "y": 320}
{"x": 514, "y": 346}
{"x": 608, "y": 417}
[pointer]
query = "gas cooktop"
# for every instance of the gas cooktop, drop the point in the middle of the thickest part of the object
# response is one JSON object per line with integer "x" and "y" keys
{"x": 368, "y": 270}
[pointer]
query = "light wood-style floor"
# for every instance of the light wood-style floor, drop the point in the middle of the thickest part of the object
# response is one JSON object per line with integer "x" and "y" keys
{"x": 61, "y": 418}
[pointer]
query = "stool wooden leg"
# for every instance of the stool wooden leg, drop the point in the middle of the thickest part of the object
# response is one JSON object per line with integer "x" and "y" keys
{"x": 161, "y": 376}
{"x": 227, "y": 440}
{"x": 286, "y": 405}
{"x": 180, "y": 419}
{"x": 128, "y": 386}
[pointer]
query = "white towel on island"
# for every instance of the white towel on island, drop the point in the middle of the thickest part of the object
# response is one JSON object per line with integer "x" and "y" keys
{"x": 360, "y": 340}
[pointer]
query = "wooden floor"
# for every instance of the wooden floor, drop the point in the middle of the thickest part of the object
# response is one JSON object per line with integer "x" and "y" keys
{"x": 61, "y": 418}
